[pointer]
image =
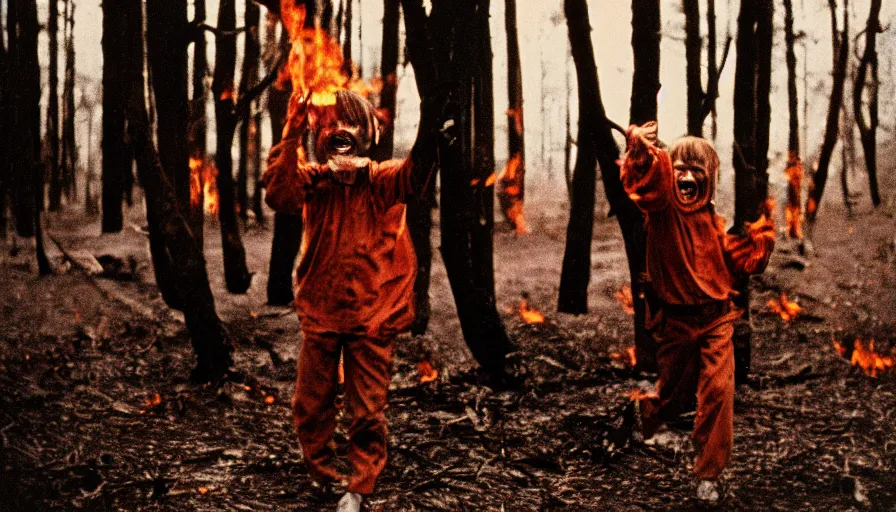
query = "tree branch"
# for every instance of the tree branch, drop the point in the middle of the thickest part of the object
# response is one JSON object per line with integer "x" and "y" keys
{"x": 249, "y": 96}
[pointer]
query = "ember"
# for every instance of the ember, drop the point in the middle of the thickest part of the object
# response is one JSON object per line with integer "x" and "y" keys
{"x": 866, "y": 357}
{"x": 530, "y": 315}
{"x": 792, "y": 210}
{"x": 624, "y": 296}
{"x": 204, "y": 185}
{"x": 788, "y": 310}
{"x": 151, "y": 402}
{"x": 427, "y": 372}
{"x": 627, "y": 359}
{"x": 510, "y": 193}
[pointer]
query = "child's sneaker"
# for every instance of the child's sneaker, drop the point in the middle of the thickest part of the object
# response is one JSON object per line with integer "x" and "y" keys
{"x": 350, "y": 502}
{"x": 709, "y": 493}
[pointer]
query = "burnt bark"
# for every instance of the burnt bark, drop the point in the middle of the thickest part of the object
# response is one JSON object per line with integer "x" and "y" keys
{"x": 236, "y": 274}
{"x": 5, "y": 117}
{"x": 712, "y": 66}
{"x": 794, "y": 162}
{"x": 52, "y": 138}
{"x": 867, "y": 76}
{"x": 211, "y": 340}
{"x": 116, "y": 158}
{"x": 832, "y": 126}
{"x": 288, "y": 229}
{"x": 693, "y": 45}
{"x": 645, "y": 86}
{"x": 198, "y": 127}
{"x": 389, "y": 66}
{"x": 248, "y": 79}
{"x": 69, "y": 161}
{"x": 347, "y": 42}
{"x": 512, "y": 189}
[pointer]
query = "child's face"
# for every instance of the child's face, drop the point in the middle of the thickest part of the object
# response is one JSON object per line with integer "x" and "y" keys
{"x": 690, "y": 181}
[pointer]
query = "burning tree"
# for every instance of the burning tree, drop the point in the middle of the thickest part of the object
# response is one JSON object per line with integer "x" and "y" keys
{"x": 512, "y": 181}
{"x": 793, "y": 209}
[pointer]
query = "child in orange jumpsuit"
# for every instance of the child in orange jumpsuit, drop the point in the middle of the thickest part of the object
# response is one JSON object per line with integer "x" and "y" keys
{"x": 354, "y": 283}
{"x": 693, "y": 267}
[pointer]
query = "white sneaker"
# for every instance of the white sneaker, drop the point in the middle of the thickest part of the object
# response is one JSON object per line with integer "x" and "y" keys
{"x": 709, "y": 492}
{"x": 350, "y": 502}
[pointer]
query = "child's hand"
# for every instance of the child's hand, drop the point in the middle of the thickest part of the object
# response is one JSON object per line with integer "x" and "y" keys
{"x": 639, "y": 140}
{"x": 749, "y": 254}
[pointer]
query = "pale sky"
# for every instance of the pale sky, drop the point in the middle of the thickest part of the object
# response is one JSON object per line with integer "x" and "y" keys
{"x": 545, "y": 63}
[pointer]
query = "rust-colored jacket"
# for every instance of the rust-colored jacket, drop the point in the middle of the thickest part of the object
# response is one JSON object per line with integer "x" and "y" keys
{"x": 357, "y": 265}
{"x": 690, "y": 258}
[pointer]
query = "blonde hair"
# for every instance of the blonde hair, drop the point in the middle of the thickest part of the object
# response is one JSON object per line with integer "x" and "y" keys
{"x": 695, "y": 149}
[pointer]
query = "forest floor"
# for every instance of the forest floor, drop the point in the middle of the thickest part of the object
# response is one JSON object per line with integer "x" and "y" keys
{"x": 97, "y": 411}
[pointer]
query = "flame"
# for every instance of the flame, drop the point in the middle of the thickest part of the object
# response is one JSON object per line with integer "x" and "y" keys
{"x": 427, "y": 372}
{"x": 151, "y": 402}
{"x": 204, "y": 183}
{"x": 316, "y": 65}
{"x": 787, "y": 309}
{"x": 203, "y": 490}
{"x": 640, "y": 394}
{"x": 628, "y": 358}
{"x": 269, "y": 399}
{"x": 516, "y": 115}
{"x": 792, "y": 210}
{"x": 624, "y": 296}
{"x": 865, "y": 357}
{"x": 510, "y": 193}
{"x": 530, "y": 315}
{"x": 227, "y": 93}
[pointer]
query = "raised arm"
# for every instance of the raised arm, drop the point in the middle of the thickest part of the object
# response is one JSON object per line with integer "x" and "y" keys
{"x": 748, "y": 254}
{"x": 646, "y": 170}
{"x": 287, "y": 181}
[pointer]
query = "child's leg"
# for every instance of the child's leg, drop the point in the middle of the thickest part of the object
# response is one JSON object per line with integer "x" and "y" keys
{"x": 714, "y": 425}
{"x": 678, "y": 358}
{"x": 368, "y": 371}
{"x": 313, "y": 410}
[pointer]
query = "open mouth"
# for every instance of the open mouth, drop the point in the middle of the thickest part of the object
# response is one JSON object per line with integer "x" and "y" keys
{"x": 687, "y": 189}
{"x": 341, "y": 144}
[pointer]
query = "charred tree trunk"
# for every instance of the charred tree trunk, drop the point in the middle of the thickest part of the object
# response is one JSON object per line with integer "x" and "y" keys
{"x": 53, "y": 108}
{"x": 645, "y": 86}
{"x": 388, "y": 96}
{"x": 211, "y": 341}
{"x": 116, "y": 159}
{"x": 868, "y": 127}
{"x": 793, "y": 208}
{"x": 5, "y": 118}
{"x": 712, "y": 65}
{"x": 752, "y": 116}
{"x": 198, "y": 127}
{"x": 512, "y": 185}
{"x": 288, "y": 229}
{"x": 236, "y": 274}
{"x": 69, "y": 161}
{"x": 693, "y": 45}
{"x": 347, "y": 42}
{"x": 576, "y": 272}
{"x": 841, "y": 51}
{"x": 248, "y": 79}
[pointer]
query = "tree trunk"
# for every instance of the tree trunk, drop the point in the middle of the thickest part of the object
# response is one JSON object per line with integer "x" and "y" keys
{"x": 5, "y": 118}
{"x": 236, "y": 275}
{"x": 248, "y": 79}
{"x": 287, "y": 240}
{"x": 645, "y": 86}
{"x": 512, "y": 185}
{"x": 198, "y": 131}
{"x": 793, "y": 208}
{"x": 347, "y": 42}
{"x": 116, "y": 160}
{"x": 53, "y": 108}
{"x": 841, "y": 50}
{"x": 211, "y": 341}
{"x": 712, "y": 65}
{"x": 388, "y": 96}
{"x": 69, "y": 161}
{"x": 868, "y": 127}
{"x": 693, "y": 45}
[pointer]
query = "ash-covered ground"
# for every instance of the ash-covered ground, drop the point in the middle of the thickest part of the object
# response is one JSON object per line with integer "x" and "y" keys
{"x": 97, "y": 411}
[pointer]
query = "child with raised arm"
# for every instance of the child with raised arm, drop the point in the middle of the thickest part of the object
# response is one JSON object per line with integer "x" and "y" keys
{"x": 693, "y": 267}
{"x": 354, "y": 282}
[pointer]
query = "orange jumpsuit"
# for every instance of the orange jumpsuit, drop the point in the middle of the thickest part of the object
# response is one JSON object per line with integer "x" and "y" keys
{"x": 692, "y": 265}
{"x": 354, "y": 294}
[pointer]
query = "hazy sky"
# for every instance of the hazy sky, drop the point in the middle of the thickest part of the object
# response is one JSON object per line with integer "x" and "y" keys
{"x": 545, "y": 62}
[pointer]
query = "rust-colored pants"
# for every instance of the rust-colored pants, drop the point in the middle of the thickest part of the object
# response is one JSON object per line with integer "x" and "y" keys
{"x": 696, "y": 358}
{"x": 367, "y": 364}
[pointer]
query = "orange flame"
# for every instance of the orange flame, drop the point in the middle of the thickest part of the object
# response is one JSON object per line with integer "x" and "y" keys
{"x": 150, "y": 402}
{"x": 787, "y": 309}
{"x": 269, "y": 399}
{"x": 227, "y": 93}
{"x": 510, "y": 193}
{"x": 628, "y": 358}
{"x": 204, "y": 183}
{"x": 624, "y": 296}
{"x": 316, "y": 65}
{"x": 530, "y": 315}
{"x": 865, "y": 357}
{"x": 427, "y": 372}
{"x": 792, "y": 211}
